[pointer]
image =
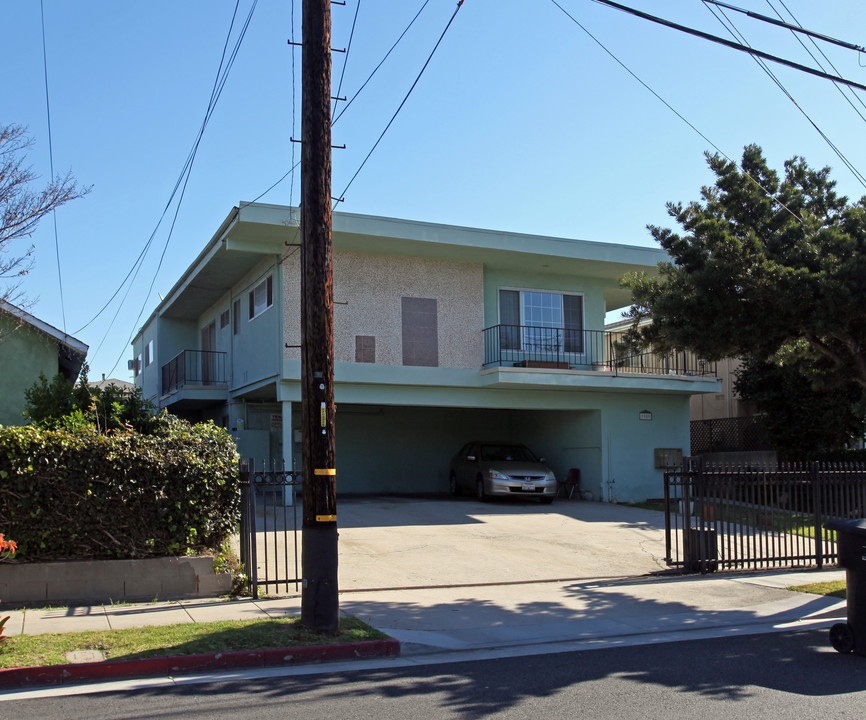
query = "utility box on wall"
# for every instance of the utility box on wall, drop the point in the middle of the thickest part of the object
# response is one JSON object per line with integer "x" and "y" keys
{"x": 668, "y": 458}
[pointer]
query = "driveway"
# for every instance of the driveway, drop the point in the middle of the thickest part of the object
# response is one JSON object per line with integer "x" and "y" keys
{"x": 397, "y": 542}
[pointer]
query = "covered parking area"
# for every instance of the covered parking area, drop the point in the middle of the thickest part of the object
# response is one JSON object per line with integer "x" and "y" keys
{"x": 406, "y": 450}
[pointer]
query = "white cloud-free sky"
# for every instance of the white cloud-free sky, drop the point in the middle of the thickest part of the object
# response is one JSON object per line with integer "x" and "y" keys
{"x": 521, "y": 122}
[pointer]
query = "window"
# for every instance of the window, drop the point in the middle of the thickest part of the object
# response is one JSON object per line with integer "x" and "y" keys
{"x": 148, "y": 353}
{"x": 262, "y": 296}
{"x": 236, "y": 325}
{"x": 224, "y": 319}
{"x": 540, "y": 321}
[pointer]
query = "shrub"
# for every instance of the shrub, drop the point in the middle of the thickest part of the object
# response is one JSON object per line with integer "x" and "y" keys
{"x": 71, "y": 492}
{"x": 49, "y": 404}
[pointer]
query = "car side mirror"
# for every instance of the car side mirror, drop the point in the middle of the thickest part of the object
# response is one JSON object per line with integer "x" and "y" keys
{"x": 542, "y": 460}
{"x": 470, "y": 458}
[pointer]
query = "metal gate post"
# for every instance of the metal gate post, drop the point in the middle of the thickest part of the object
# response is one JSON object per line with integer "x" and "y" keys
{"x": 818, "y": 510}
{"x": 245, "y": 531}
{"x": 254, "y": 562}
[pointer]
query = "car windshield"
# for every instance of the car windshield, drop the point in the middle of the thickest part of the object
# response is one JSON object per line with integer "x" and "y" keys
{"x": 507, "y": 453}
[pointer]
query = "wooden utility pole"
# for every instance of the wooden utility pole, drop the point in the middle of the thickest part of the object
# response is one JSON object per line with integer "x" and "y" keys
{"x": 319, "y": 601}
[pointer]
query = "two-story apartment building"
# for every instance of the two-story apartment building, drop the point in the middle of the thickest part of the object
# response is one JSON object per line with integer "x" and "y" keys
{"x": 443, "y": 335}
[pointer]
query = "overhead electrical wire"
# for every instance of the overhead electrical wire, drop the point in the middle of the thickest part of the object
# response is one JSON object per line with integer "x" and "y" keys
{"x": 381, "y": 62}
{"x": 219, "y": 83}
{"x": 675, "y": 111}
{"x": 403, "y": 102}
{"x": 781, "y": 23}
{"x": 728, "y": 43}
{"x": 346, "y": 56}
{"x": 133, "y": 271}
{"x": 354, "y": 97}
{"x": 818, "y": 62}
{"x": 735, "y": 32}
{"x": 51, "y": 165}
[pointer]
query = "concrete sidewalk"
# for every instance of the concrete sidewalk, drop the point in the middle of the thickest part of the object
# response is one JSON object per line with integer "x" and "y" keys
{"x": 455, "y": 618}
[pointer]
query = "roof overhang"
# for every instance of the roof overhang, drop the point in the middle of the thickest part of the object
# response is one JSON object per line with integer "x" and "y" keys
{"x": 253, "y": 230}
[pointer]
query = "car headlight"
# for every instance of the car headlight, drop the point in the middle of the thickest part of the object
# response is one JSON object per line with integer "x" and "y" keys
{"x": 551, "y": 476}
{"x": 496, "y": 475}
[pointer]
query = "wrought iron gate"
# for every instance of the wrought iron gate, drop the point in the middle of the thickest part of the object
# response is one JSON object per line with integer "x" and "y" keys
{"x": 269, "y": 528}
{"x": 719, "y": 517}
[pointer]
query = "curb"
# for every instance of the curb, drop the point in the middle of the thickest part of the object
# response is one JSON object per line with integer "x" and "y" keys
{"x": 13, "y": 678}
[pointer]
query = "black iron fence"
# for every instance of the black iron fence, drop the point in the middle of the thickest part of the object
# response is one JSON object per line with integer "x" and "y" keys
{"x": 194, "y": 367}
{"x": 719, "y": 518}
{"x": 598, "y": 350}
{"x": 269, "y": 528}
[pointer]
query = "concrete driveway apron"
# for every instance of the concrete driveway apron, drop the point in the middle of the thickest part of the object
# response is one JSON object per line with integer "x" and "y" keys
{"x": 397, "y": 542}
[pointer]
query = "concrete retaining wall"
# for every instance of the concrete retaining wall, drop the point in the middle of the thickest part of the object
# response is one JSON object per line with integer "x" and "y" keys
{"x": 102, "y": 581}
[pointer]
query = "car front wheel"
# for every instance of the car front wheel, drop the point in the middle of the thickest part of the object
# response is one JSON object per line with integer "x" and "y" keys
{"x": 479, "y": 490}
{"x": 452, "y": 484}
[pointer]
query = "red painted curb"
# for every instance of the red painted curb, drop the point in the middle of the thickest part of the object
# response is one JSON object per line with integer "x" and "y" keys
{"x": 185, "y": 664}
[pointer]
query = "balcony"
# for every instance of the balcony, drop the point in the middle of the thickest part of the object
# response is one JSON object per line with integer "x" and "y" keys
{"x": 586, "y": 350}
{"x": 196, "y": 368}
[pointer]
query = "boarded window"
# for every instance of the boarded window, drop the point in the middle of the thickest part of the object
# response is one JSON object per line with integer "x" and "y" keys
{"x": 420, "y": 332}
{"x": 365, "y": 349}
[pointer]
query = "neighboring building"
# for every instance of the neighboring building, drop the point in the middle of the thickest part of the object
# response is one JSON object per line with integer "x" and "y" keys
{"x": 123, "y": 385}
{"x": 442, "y": 335}
{"x": 30, "y": 347}
{"x": 726, "y": 403}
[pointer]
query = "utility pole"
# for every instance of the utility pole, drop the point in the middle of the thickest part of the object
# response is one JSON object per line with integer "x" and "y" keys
{"x": 319, "y": 600}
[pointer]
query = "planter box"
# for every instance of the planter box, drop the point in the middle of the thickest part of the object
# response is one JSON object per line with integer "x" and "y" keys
{"x": 91, "y": 582}
{"x": 549, "y": 364}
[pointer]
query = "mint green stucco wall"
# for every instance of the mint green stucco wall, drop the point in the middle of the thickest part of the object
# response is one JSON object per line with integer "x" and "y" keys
{"x": 24, "y": 353}
{"x": 591, "y": 288}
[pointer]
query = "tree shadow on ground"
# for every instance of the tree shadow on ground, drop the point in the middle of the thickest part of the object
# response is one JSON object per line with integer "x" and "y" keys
{"x": 731, "y": 668}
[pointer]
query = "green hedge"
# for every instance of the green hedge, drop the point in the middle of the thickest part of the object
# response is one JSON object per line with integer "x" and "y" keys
{"x": 73, "y": 493}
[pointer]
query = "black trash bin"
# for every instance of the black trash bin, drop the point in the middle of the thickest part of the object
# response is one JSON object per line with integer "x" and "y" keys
{"x": 851, "y": 547}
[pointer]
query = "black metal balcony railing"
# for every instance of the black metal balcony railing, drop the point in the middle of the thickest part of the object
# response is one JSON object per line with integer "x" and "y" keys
{"x": 194, "y": 367}
{"x": 599, "y": 350}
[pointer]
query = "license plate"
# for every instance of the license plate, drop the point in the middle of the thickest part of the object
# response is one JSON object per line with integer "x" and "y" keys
{"x": 529, "y": 487}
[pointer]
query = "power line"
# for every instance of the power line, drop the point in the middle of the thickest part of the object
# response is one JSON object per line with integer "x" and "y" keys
{"x": 346, "y": 56}
{"x": 133, "y": 271}
{"x": 400, "y": 107}
{"x": 295, "y": 165}
{"x": 381, "y": 62}
{"x": 219, "y": 83}
{"x": 793, "y": 28}
{"x": 731, "y": 28}
{"x": 729, "y": 44}
{"x": 818, "y": 62}
{"x": 51, "y": 165}
{"x": 676, "y": 112}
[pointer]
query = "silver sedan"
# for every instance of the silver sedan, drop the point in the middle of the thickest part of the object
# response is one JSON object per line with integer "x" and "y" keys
{"x": 501, "y": 469}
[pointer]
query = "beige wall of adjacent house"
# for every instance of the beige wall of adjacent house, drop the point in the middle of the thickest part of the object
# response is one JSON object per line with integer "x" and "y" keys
{"x": 368, "y": 293}
{"x": 726, "y": 404}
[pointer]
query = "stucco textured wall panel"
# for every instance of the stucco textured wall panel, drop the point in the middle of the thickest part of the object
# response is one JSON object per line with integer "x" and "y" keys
{"x": 368, "y": 292}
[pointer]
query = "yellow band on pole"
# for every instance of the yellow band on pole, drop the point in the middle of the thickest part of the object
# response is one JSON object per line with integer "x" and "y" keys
{"x": 326, "y": 518}
{"x": 328, "y": 471}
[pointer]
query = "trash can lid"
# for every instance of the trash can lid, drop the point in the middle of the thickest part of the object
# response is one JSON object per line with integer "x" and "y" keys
{"x": 857, "y": 527}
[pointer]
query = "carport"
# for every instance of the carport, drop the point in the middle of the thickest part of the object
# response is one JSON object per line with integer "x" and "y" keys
{"x": 406, "y": 450}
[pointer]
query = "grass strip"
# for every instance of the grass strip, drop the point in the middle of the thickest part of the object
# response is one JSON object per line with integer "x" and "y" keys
{"x": 183, "y": 639}
{"x": 835, "y": 588}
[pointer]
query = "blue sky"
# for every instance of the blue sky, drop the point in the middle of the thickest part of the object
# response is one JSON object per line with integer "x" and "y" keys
{"x": 521, "y": 122}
